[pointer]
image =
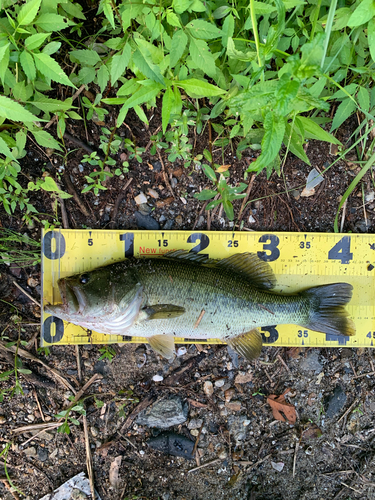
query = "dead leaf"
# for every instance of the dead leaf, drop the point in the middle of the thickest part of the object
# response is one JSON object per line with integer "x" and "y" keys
{"x": 294, "y": 352}
{"x": 243, "y": 379}
{"x": 222, "y": 168}
{"x": 196, "y": 404}
{"x": 234, "y": 406}
{"x": 278, "y": 405}
{"x": 312, "y": 432}
{"x": 166, "y": 201}
{"x": 114, "y": 476}
{"x": 311, "y": 398}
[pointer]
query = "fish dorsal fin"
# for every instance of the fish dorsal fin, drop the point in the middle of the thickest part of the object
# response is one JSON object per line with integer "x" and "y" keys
{"x": 163, "y": 345}
{"x": 250, "y": 266}
{"x": 247, "y": 344}
{"x": 164, "y": 311}
{"x": 190, "y": 256}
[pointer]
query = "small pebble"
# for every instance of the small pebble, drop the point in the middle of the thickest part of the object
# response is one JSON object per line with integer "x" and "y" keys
{"x": 2, "y": 419}
{"x": 80, "y": 168}
{"x": 194, "y": 432}
{"x": 220, "y": 382}
{"x": 208, "y": 388}
{"x": 94, "y": 431}
{"x": 141, "y": 198}
{"x": 181, "y": 351}
{"x": 32, "y": 282}
{"x": 153, "y": 193}
{"x": 157, "y": 378}
{"x": 278, "y": 466}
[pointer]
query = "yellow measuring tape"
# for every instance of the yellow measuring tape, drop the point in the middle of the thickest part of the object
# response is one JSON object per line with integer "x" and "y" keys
{"x": 299, "y": 260}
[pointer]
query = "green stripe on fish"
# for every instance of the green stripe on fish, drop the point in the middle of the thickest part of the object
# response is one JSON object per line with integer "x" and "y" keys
{"x": 184, "y": 294}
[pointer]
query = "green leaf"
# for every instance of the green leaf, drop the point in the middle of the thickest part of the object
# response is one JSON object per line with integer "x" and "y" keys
{"x": 129, "y": 87}
{"x": 263, "y": 8}
{"x": 313, "y": 131}
{"x": 178, "y": 45}
{"x": 274, "y": 126}
{"x": 144, "y": 94}
{"x": 285, "y": 94}
{"x": 45, "y": 139}
{"x": 346, "y": 108}
{"x": 28, "y": 12}
{"x": 49, "y": 68}
{"x": 49, "y": 105}
{"x": 209, "y": 173}
{"x": 74, "y": 9}
{"x": 103, "y": 77}
{"x": 364, "y": 99}
{"x": 228, "y": 30}
{"x": 85, "y": 57}
{"x": 86, "y": 74}
{"x": 199, "y": 88}
{"x": 51, "y": 22}
{"x": 141, "y": 114}
{"x": 363, "y": 13}
{"x": 172, "y": 19}
{"x": 295, "y": 142}
{"x": 205, "y": 194}
{"x": 228, "y": 208}
{"x": 108, "y": 12}
{"x": 168, "y": 100}
{"x": 371, "y": 37}
{"x": 203, "y": 29}
{"x": 202, "y": 57}
{"x": 27, "y": 63}
{"x": 147, "y": 68}
{"x": 25, "y": 371}
{"x": 14, "y": 111}
{"x": 119, "y": 63}
{"x": 5, "y": 150}
{"x": 35, "y": 41}
{"x": 4, "y": 61}
{"x": 51, "y": 48}
{"x": 213, "y": 204}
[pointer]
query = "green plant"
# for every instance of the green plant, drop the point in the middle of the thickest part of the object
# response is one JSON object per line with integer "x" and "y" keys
{"x": 96, "y": 178}
{"x": 18, "y": 248}
{"x": 226, "y": 194}
{"x": 107, "y": 352}
{"x": 179, "y": 147}
{"x": 18, "y": 368}
{"x": 4, "y": 454}
{"x": 66, "y": 415}
{"x": 126, "y": 397}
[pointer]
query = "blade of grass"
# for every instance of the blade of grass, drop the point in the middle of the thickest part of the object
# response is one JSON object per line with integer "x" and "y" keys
{"x": 351, "y": 188}
{"x": 255, "y": 30}
{"x": 331, "y": 15}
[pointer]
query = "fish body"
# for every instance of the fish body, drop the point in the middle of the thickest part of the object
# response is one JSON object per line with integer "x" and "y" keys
{"x": 190, "y": 296}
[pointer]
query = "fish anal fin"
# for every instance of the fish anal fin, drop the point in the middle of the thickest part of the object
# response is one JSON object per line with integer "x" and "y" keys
{"x": 164, "y": 311}
{"x": 250, "y": 266}
{"x": 163, "y": 345}
{"x": 248, "y": 344}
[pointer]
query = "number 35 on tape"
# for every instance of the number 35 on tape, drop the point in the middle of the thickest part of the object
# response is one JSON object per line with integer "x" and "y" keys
{"x": 299, "y": 260}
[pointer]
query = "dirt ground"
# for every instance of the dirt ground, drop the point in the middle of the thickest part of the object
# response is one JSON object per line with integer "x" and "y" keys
{"x": 242, "y": 451}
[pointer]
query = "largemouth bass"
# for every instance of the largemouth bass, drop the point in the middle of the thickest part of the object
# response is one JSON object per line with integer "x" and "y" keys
{"x": 189, "y": 295}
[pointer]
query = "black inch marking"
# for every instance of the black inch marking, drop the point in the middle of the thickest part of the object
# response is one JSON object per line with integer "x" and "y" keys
{"x": 46, "y": 330}
{"x": 370, "y": 267}
{"x": 58, "y": 238}
{"x": 272, "y": 336}
{"x": 204, "y": 241}
{"x": 341, "y": 339}
{"x": 129, "y": 244}
{"x": 271, "y": 247}
{"x": 372, "y": 246}
{"x": 341, "y": 251}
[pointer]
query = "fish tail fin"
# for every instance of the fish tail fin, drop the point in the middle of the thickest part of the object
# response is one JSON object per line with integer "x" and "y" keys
{"x": 328, "y": 313}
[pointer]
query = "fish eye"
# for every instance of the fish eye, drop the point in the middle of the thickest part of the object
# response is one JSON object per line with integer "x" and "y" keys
{"x": 84, "y": 278}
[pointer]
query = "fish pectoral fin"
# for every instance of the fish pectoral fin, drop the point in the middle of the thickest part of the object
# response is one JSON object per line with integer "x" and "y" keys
{"x": 163, "y": 345}
{"x": 247, "y": 344}
{"x": 164, "y": 311}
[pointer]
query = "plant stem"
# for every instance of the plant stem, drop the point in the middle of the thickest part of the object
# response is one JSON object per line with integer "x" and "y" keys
{"x": 255, "y": 30}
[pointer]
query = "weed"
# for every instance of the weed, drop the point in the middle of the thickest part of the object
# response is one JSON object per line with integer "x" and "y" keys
{"x": 107, "y": 352}
{"x": 4, "y": 455}
{"x": 18, "y": 248}
{"x": 224, "y": 193}
{"x": 68, "y": 419}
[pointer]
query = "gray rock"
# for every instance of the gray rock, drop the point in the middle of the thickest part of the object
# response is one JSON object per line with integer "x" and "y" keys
{"x": 162, "y": 218}
{"x": 174, "y": 182}
{"x": 30, "y": 452}
{"x": 164, "y": 413}
{"x": 157, "y": 166}
{"x": 334, "y": 402}
{"x": 168, "y": 225}
{"x": 42, "y": 454}
{"x": 146, "y": 222}
{"x": 144, "y": 209}
{"x": 238, "y": 426}
{"x": 195, "y": 423}
{"x": 172, "y": 444}
{"x": 311, "y": 363}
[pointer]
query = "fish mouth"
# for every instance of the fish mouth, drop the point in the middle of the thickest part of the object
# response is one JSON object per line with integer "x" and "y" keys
{"x": 73, "y": 301}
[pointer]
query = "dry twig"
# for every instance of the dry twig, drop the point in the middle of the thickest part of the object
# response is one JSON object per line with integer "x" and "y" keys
{"x": 206, "y": 465}
{"x": 24, "y": 292}
{"x": 90, "y": 471}
{"x": 165, "y": 177}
